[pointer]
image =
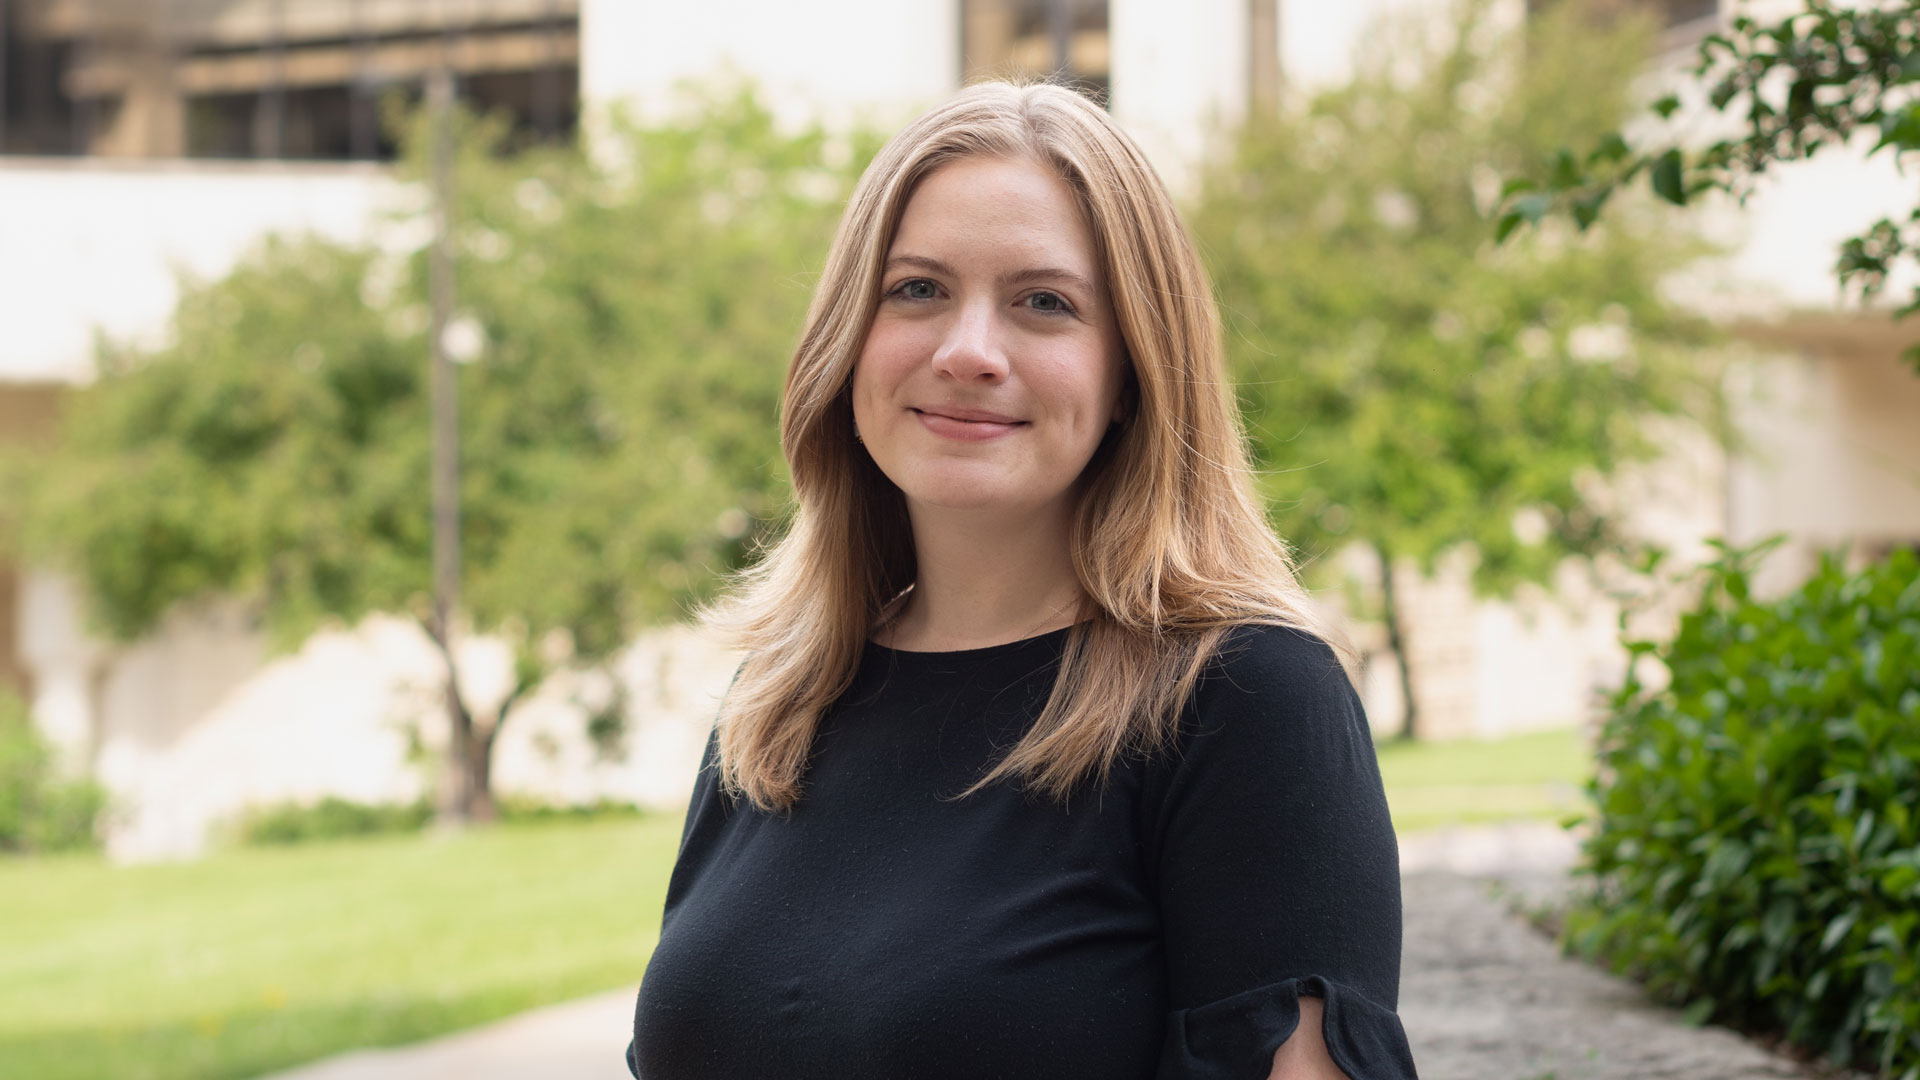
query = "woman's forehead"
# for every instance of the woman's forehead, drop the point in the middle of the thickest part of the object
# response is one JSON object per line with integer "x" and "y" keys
{"x": 1002, "y": 209}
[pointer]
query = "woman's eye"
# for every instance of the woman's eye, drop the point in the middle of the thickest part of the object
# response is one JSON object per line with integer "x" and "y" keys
{"x": 1049, "y": 302}
{"x": 915, "y": 289}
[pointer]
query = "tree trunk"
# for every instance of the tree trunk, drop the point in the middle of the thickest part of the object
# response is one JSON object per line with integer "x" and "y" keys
{"x": 480, "y": 804}
{"x": 466, "y": 792}
{"x": 466, "y": 796}
{"x": 1397, "y": 640}
{"x": 457, "y": 791}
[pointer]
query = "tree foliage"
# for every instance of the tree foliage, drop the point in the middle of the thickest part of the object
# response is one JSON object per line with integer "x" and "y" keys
{"x": 1411, "y": 386}
{"x": 635, "y": 308}
{"x": 1827, "y": 77}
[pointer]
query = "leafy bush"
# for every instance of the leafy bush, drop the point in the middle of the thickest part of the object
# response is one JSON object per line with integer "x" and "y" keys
{"x": 519, "y": 809}
{"x": 329, "y": 819}
{"x": 40, "y": 810}
{"x": 333, "y": 817}
{"x": 1757, "y": 851}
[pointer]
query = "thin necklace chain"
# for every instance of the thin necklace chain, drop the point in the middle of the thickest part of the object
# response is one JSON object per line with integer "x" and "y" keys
{"x": 891, "y": 626}
{"x": 1047, "y": 618}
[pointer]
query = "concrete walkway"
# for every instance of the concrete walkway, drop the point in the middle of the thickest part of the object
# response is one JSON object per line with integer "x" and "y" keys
{"x": 1483, "y": 995}
{"x": 575, "y": 1040}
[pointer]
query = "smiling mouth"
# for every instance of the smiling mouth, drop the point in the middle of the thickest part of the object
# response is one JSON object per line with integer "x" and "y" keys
{"x": 968, "y": 416}
{"x": 968, "y": 428}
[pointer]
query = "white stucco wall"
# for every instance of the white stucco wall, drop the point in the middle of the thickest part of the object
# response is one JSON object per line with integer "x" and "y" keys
{"x": 844, "y": 60}
{"x": 95, "y": 244}
{"x": 1179, "y": 74}
{"x": 1833, "y": 456}
{"x": 198, "y": 723}
{"x": 1319, "y": 43}
{"x": 65, "y": 661}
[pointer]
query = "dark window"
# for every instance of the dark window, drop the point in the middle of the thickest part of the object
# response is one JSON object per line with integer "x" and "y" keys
{"x": 36, "y": 116}
{"x": 1062, "y": 40}
{"x": 1672, "y": 12}
{"x": 277, "y": 78}
{"x": 1680, "y": 12}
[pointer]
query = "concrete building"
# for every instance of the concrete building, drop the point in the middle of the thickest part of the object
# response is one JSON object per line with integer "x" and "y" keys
{"x": 195, "y": 722}
{"x": 277, "y": 79}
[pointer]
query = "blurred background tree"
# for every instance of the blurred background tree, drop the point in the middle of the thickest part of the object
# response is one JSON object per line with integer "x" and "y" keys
{"x": 1818, "y": 79}
{"x": 1409, "y": 385}
{"x": 626, "y": 317}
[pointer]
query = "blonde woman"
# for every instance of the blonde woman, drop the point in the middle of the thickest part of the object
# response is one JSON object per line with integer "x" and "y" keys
{"x": 1040, "y": 764}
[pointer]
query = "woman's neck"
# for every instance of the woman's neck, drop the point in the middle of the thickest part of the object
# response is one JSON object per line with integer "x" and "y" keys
{"x": 986, "y": 579}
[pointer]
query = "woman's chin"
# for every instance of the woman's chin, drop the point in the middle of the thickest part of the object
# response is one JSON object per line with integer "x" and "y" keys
{"x": 960, "y": 498}
{"x": 969, "y": 493}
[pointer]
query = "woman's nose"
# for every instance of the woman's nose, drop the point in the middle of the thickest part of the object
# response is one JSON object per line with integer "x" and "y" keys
{"x": 970, "y": 351}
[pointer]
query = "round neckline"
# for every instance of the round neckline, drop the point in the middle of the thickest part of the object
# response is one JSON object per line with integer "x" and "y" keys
{"x": 979, "y": 652}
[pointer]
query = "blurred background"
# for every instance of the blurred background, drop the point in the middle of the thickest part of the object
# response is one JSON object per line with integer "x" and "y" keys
{"x": 235, "y": 241}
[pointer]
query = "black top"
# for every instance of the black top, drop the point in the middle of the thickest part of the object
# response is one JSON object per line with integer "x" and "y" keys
{"x": 1163, "y": 928}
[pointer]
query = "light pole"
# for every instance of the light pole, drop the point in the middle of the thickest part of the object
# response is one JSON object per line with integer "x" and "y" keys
{"x": 460, "y": 796}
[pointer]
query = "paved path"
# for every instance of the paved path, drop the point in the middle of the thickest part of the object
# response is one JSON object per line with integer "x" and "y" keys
{"x": 1483, "y": 995}
{"x": 576, "y": 1040}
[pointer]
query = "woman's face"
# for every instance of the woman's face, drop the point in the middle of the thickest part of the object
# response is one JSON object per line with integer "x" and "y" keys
{"x": 994, "y": 364}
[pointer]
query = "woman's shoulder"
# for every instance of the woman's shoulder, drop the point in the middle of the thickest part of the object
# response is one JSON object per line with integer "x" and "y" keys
{"x": 1268, "y": 692}
{"x": 1274, "y": 736}
{"x": 1266, "y": 668}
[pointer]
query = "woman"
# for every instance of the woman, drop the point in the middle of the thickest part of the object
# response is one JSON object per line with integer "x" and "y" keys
{"x": 1039, "y": 764}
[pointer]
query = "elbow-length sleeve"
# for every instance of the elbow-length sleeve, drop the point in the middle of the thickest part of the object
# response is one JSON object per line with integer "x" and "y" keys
{"x": 1276, "y": 869}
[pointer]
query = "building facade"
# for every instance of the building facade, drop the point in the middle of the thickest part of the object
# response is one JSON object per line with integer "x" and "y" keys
{"x": 272, "y": 79}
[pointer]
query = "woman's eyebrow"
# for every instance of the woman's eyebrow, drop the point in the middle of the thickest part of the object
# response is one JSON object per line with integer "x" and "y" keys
{"x": 1018, "y": 277}
{"x": 922, "y": 261}
{"x": 1051, "y": 273}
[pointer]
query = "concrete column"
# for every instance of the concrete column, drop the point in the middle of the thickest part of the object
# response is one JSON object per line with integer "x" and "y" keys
{"x": 1180, "y": 76}
{"x": 151, "y": 121}
{"x": 1263, "y": 55}
{"x": 64, "y": 662}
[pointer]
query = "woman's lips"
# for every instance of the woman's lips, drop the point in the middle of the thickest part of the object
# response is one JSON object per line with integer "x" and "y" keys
{"x": 966, "y": 429}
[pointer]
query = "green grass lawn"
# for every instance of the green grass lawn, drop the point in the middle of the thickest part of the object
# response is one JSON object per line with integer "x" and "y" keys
{"x": 256, "y": 959}
{"x": 1538, "y": 776}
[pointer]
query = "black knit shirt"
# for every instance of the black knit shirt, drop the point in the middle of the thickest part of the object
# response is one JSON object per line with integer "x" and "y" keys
{"x": 1165, "y": 926}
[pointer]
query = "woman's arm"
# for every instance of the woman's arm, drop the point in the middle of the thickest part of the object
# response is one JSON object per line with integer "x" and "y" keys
{"x": 1304, "y": 1056}
{"x": 1278, "y": 876}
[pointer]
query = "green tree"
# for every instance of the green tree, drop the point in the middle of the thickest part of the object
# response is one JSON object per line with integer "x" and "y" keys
{"x": 1410, "y": 385}
{"x": 635, "y": 307}
{"x": 1825, "y": 78}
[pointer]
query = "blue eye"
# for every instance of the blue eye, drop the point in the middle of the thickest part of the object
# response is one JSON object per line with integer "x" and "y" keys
{"x": 1050, "y": 303}
{"x": 915, "y": 289}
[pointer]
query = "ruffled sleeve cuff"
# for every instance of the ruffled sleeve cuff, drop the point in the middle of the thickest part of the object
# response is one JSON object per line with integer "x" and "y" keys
{"x": 1235, "y": 1038}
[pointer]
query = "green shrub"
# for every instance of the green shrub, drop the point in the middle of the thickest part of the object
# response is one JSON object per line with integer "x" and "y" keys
{"x": 333, "y": 817}
{"x": 1757, "y": 850}
{"x": 517, "y": 809}
{"x": 329, "y": 819}
{"x": 40, "y": 810}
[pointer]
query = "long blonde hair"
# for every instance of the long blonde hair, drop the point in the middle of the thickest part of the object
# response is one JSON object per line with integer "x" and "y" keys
{"x": 1169, "y": 542}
